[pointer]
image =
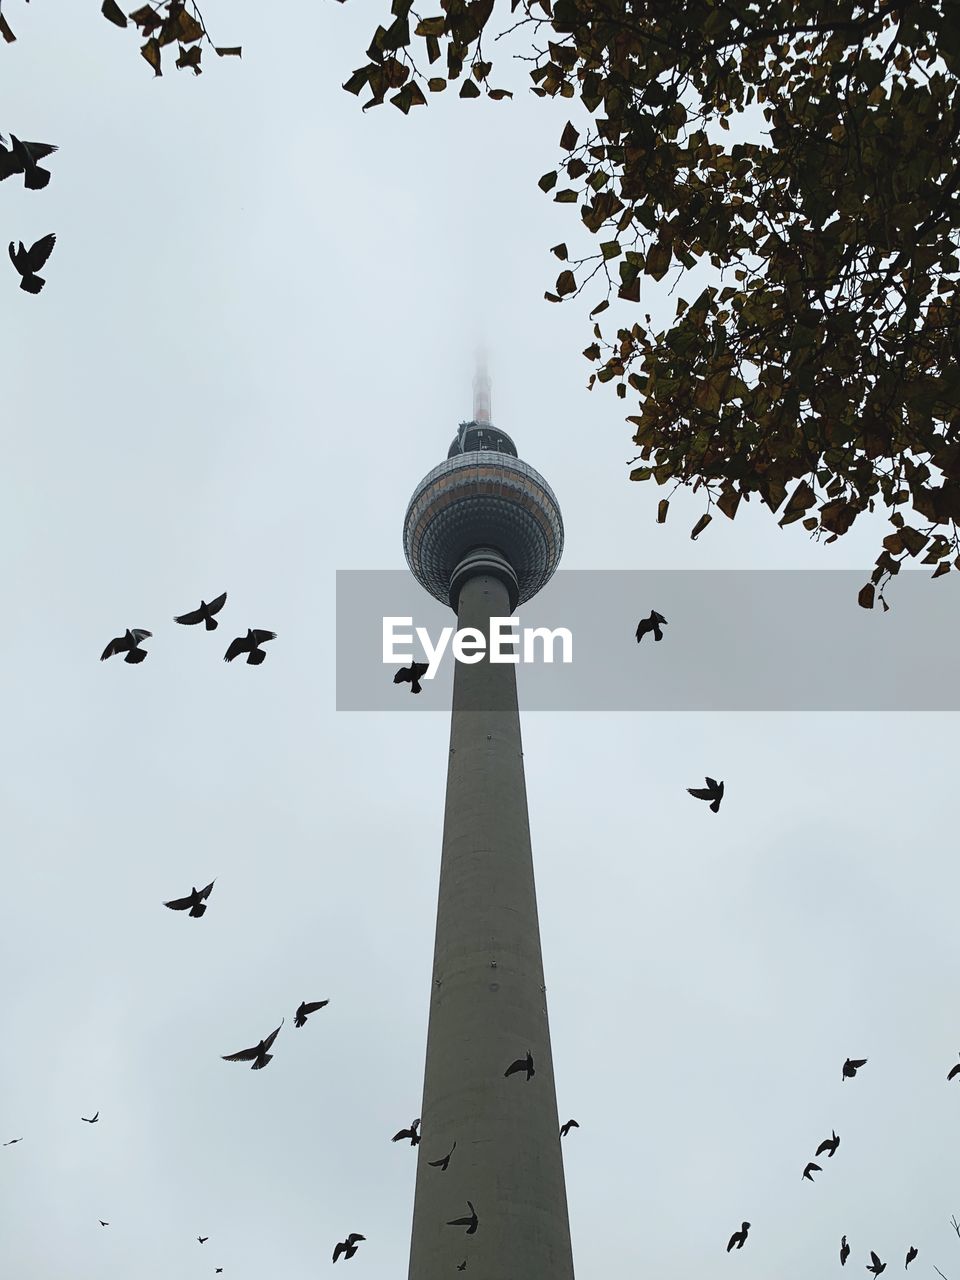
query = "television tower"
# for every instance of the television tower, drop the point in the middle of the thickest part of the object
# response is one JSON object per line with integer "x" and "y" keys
{"x": 483, "y": 533}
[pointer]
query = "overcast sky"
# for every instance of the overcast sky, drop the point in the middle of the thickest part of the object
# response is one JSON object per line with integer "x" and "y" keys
{"x": 256, "y": 337}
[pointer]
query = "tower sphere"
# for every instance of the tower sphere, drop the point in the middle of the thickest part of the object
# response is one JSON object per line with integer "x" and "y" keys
{"x": 483, "y": 510}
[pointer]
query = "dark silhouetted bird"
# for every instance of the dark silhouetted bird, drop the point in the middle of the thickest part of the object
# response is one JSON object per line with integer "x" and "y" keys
{"x": 442, "y": 1163}
{"x": 911, "y": 1254}
{"x": 412, "y": 675}
{"x": 470, "y": 1223}
{"x": 218, "y": 1270}
{"x": 347, "y": 1247}
{"x": 202, "y": 1239}
{"x": 810, "y": 1170}
{"x": 12, "y": 1141}
{"x": 22, "y": 158}
{"x": 250, "y": 645}
{"x": 712, "y": 792}
{"x": 653, "y": 623}
{"x": 828, "y": 1146}
{"x": 102, "y": 1223}
{"x": 852, "y": 1066}
{"x": 300, "y": 1017}
{"x": 410, "y": 1133}
{"x": 127, "y": 643}
{"x": 258, "y": 1054}
{"x": 739, "y": 1238}
{"x": 29, "y": 261}
{"x": 565, "y": 1128}
{"x": 521, "y": 1064}
{"x": 875, "y": 1265}
{"x": 463, "y": 1265}
{"x": 954, "y": 1071}
{"x": 91, "y": 1119}
{"x": 844, "y": 1251}
{"x": 204, "y": 614}
{"x": 195, "y": 901}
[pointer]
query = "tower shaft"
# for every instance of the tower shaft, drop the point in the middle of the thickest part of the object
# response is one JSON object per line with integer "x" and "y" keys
{"x": 488, "y": 1003}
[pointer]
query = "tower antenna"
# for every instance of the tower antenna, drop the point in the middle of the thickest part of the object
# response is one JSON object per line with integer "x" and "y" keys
{"x": 481, "y": 389}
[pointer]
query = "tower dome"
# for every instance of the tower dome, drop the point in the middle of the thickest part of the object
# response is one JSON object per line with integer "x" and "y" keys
{"x": 483, "y": 509}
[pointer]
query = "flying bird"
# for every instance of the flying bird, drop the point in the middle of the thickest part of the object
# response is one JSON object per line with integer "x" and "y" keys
{"x": 521, "y": 1064}
{"x": 470, "y": 1223}
{"x": 463, "y": 1265}
{"x": 29, "y": 261}
{"x": 411, "y": 675}
{"x": 565, "y": 1128}
{"x": 653, "y": 623}
{"x": 91, "y": 1119}
{"x": 954, "y": 1071}
{"x": 347, "y": 1247}
{"x": 810, "y": 1170}
{"x": 852, "y": 1066}
{"x": 258, "y": 1054}
{"x": 875, "y": 1265}
{"x": 844, "y": 1251}
{"x": 442, "y": 1163}
{"x": 202, "y": 1239}
{"x": 250, "y": 645}
{"x": 911, "y": 1254}
{"x": 410, "y": 1133}
{"x": 713, "y": 792}
{"x": 12, "y": 1141}
{"x": 102, "y": 1223}
{"x": 127, "y": 643}
{"x": 739, "y": 1238}
{"x": 195, "y": 901}
{"x": 204, "y": 614}
{"x": 300, "y": 1017}
{"x": 22, "y": 158}
{"x": 828, "y": 1145}
{"x": 218, "y": 1270}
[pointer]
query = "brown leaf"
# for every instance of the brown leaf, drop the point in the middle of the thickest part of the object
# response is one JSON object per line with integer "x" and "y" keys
{"x": 865, "y": 598}
{"x": 568, "y": 139}
{"x": 561, "y": 251}
{"x": 497, "y": 94}
{"x": 147, "y": 18}
{"x": 943, "y": 567}
{"x": 113, "y": 13}
{"x": 662, "y": 506}
{"x": 658, "y": 260}
{"x": 912, "y": 539}
{"x": 151, "y": 51}
{"x": 728, "y": 501}
{"x": 5, "y": 30}
{"x": 431, "y": 26}
{"x": 701, "y": 524}
{"x": 566, "y": 283}
{"x": 190, "y": 58}
{"x": 188, "y": 29}
{"x": 469, "y": 90}
{"x": 437, "y": 84}
{"x": 236, "y": 50}
{"x": 548, "y": 181}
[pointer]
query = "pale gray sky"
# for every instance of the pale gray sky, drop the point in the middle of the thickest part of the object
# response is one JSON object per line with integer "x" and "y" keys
{"x": 256, "y": 337}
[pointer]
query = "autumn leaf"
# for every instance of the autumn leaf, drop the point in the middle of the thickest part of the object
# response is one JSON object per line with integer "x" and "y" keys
{"x": 569, "y": 137}
{"x": 566, "y": 283}
{"x": 699, "y": 527}
{"x": 151, "y": 51}
{"x": 113, "y": 13}
{"x": 190, "y": 58}
{"x": 235, "y": 51}
{"x": 662, "y": 506}
{"x": 469, "y": 90}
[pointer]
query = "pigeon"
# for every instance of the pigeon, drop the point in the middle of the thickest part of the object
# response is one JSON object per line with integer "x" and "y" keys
{"x": 852, "y": 1066}
{"x": 911, "y": 1254}
{"x": 565, "y": 1129}
{"x": 470, "y": 1223}
{"x": 712, "y": 792}
{"x": 844, "y": 1251}
{"x": 954, "y": 1071}
{"x": 411, "y": 675}
{"x": 22, "y": 158}
{"x": 300, "y": 1017}
{"x": 29, "y": 261}
{"x": 828, "y": 1145}
{"x": 875, "y": 1265}
{"x": 410, "y": 1133}
{"x": 347, "y": 1247}
{"x": 250, "y": 645}
{"x": 258, "y": 1054}
{"x": 202, "y": 1239}
{"x": 195, "y": 901}
{"x": 12, "y": 1141}
{"x": 739, "y": 1238}
{"x": 811, "y": 1169}
{"x": 129, "y": 642}
{"x": 521, "y": 1064}
{"x": 92, "y": 1119}
{"x": 204, "y": 614}
{"x": 218, "y": 1270}
{"x": 463, "y": 1265}
{"x": 102, "y": 1223}
{"x": 442, "y": 1163}
{"x": 653, "y": 623}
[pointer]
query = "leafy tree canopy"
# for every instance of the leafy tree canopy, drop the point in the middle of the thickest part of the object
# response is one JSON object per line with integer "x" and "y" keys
{"x": 822, "y": 371}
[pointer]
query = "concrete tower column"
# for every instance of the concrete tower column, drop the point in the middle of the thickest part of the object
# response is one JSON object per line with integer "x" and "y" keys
{"x": 488, "y": 1003}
